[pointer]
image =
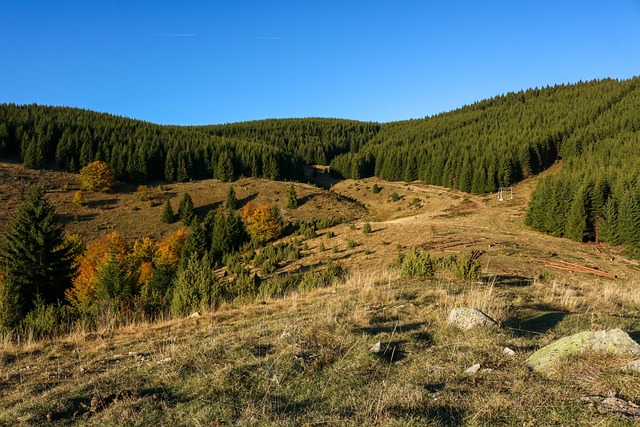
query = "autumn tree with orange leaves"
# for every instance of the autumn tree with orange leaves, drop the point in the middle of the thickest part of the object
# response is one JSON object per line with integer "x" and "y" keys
{"x": 111, "y": 270}
{"x": 263, "y": 222}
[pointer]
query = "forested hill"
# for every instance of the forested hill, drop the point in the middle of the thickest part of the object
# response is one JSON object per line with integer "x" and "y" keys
{"x": 476, "y": 148}
{"x": 492, "y": 143}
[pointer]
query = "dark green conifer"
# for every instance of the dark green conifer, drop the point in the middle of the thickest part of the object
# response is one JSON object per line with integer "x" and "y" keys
{"x": 185, "y": 210}
{"x": 36, "y": 259}
{"x": 292, "y": 200}
{"x": 232, "y": 202}
{"x": 167, "y": 213}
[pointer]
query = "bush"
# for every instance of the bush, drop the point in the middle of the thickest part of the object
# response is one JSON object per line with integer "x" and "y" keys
{"x": 46, "y": 321}
{"x": 366, "y": 229}
{"x": 78, "y": 198}
{"x": 351, "y": 244}
{"x": 466, "y": 268}
{"x": 97, "y": 176}
{"x": 243, "y": 289}
{"x": 416, "y": 263}
{"x": 375, "y": 189}
{"x": 394, "y": 197}
{"x": 334, "y": 273}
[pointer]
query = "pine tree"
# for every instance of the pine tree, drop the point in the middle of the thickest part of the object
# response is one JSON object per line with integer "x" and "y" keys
{"x": 224, "y": 169}
{"x": 576, "y": 225}
{"x": 36, "y": 258}
{"x": 608, "y": 225}
{"x": 292, "y": 201}
{"x": 629, "y": 220}
{"x": 194, "y": 287}
{"x": 167, "y": 213}
{"x": 232, "y": 201}
{"x": 228, "y": 235}
{"x": 185, "y": 210}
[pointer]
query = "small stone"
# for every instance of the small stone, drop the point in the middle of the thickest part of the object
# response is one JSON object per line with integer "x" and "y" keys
{"x": 285, "y": 334}
{"x": 376, "y": 348}
{"x": 195, "y": 314}
{"x": 165, "y": 360}
{"x": 435, "y": 368}
{"x": 508, "y": 352}
{"x": 473, "y": 369}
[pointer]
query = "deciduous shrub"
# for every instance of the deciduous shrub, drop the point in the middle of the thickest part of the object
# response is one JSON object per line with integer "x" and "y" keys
{"x": 97, "y": 176}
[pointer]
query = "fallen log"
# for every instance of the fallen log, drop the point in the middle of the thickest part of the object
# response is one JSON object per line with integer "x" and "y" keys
{"x": 563, "y": 265}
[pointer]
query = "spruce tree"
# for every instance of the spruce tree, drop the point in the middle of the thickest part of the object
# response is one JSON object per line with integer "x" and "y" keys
{"x": 185, "y": 210}
{"x": 232, "y": 201}
{"x": 167, "y": 213}
{"x": 36, "y": 259}
{"x": 629, "y": 220}
{"x": 576, "y": 224}
{"x": 195, "y": 287}
{"x": 292, "y": 201}
{"x": 608, "y": 225}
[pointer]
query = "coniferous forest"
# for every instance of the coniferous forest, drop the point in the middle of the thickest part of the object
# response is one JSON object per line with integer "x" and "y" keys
{"x": 591, "y": 126}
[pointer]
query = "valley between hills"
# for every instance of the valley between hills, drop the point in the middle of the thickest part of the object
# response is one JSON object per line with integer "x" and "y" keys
{"x": 306, "y": 358}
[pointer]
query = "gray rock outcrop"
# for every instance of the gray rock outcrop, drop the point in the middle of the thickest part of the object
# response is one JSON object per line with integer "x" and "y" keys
{"x": 614, "y": 341}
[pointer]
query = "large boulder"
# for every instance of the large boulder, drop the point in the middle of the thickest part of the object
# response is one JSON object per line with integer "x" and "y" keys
{"x": 467, "y": 318}
{"x": 614, "y": 341}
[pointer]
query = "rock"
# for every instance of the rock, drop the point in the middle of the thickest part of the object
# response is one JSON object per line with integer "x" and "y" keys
{"x": 614, "y": 341}
{"x": 376, "y": 348}
{"x": 285, "y": 334}
{"x": 473, "y": 369}
{"x": 466, "y": 318}
{"x": 634, "y": 366}
{"x": 613, "y": 405}
{"x": 508, "y": 352}
{"x": 195, "y": 315}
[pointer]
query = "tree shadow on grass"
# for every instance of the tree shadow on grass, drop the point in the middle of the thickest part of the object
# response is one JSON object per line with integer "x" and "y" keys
{"x": 243, "y": 202}
{"x": 511, "y": 280}
{"x": 85, "y": 406}
{"x": 391, "y": 351}
{"x": 375, "y": 330}
{"x": 202, "y": 211}
{"x": 69, "y": 218}
{"x": 439, "y": 414}
{"x": 536, "y": 324}
{"x": 104, "y": 203}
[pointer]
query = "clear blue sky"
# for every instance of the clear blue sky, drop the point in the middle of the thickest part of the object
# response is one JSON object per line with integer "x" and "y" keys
{"x": 207, "y": 62}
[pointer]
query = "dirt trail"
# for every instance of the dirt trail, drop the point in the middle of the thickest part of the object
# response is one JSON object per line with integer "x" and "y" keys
{"x": 448, "y": 221}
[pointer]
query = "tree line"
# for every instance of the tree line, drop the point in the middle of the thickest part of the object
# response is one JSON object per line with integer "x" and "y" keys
{"x": 590, "y": 126}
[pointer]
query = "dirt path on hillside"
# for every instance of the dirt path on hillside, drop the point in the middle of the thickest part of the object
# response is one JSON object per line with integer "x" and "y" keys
{"x": 449, "y": 222}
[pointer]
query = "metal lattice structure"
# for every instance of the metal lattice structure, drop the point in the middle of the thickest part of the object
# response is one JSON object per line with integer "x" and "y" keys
{"x": 505, "y": 192}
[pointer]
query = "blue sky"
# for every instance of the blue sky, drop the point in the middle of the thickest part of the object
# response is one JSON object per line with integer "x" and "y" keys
{"x": 208, "y": 62}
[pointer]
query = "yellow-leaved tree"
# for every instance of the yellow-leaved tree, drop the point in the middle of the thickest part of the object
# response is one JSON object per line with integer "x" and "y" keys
{"x": 263, "y": 222}
{"x": 97, "y": 176}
